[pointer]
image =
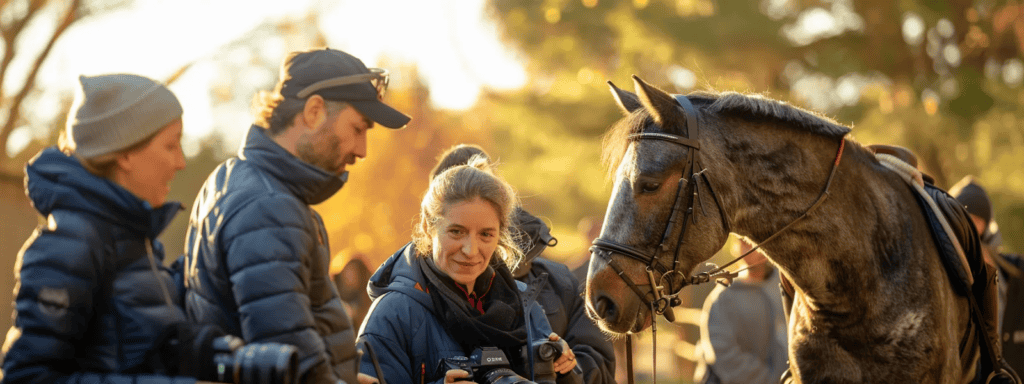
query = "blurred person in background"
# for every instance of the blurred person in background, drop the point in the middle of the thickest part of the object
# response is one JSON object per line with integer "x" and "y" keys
{"x": 1009, "y": 266}
{"x": 257, "y": 255}
{"x": 551, "y": 284}
{"x": 450, "y": 292}
{"x": 743, "y": 327}
{"x": 94, "y": 302}
{"x": 351, "y": 284}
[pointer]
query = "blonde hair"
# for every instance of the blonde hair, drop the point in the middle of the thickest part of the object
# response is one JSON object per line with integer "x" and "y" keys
{"x": 466, "y": 183}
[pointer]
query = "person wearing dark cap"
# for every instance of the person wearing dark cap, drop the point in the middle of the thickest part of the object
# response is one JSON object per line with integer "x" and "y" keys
{"x": 256, "y": 253}
{"x": 1010, "y": 266}
{"x": 94, "y": 302}
{"x": 550, "y": 283}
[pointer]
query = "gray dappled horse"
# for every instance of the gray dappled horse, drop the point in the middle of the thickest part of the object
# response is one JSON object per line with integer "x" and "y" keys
{"x": 873, "y": 303}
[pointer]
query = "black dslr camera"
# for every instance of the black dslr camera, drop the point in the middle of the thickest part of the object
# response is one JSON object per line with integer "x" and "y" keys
{"x": 258, "y": 363}
{"x": 486, "y": 365}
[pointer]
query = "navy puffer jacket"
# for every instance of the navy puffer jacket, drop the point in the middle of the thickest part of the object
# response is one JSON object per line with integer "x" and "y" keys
{"x": 257, "y": 261}
{"x": 91, "y": 306}
{"x": 404, "y": 330}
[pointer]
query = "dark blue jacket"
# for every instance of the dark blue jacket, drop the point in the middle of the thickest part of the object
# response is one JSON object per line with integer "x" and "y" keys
{"x": 558, "y": 292}
{"x": 91, "y": 306}
{"x": 257, "y": 258}
{"x": 404, "y": 330}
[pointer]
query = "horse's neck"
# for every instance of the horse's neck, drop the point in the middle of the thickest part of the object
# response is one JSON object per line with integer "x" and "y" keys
{"x": 826, "y": 253}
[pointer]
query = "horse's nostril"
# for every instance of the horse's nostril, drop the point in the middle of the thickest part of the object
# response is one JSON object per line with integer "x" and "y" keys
{"x": 605, "y": 308}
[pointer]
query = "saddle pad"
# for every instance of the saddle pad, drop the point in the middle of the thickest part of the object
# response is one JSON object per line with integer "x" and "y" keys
{"x": 960, "y": 223}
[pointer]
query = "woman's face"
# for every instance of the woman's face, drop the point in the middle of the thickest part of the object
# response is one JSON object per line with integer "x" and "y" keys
{"x": 465, "y": 239}
{"x": 147, "y": 171}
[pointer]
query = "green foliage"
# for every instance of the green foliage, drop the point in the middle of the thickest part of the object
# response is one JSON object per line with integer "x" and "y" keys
{"x": 948, "y": 93}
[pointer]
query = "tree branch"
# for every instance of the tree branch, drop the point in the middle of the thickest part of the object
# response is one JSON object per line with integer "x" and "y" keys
{"x": 14, "y": 112}
{"x": 10, "y": 35}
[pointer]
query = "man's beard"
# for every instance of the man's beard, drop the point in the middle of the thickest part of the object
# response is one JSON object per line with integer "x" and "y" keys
{"x": 320, "y": 149}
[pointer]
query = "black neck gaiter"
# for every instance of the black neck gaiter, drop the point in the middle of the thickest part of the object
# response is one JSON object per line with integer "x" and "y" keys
{"x": 502, "y": 323}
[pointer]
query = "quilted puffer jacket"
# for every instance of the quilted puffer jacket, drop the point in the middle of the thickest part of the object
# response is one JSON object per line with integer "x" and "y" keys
{"x": 257, "y": 260}
{"x": 93, "y": 303}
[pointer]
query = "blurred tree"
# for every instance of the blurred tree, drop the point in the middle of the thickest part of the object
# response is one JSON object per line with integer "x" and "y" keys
{"x": 22, "y": 23}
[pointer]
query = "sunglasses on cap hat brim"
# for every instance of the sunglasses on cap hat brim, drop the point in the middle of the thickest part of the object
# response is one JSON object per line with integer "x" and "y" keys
{"x": 377, "y": 76}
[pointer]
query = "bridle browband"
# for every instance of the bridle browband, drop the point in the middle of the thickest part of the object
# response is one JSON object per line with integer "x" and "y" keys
{"x": 662, "y": 298}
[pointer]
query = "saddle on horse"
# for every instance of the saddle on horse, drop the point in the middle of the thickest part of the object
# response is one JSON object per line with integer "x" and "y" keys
{"x": 960, "y": 250}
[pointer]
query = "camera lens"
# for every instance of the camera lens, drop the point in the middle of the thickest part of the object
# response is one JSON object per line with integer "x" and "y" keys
{"x": 547, "y": 351}
{"x": 269, "y": 363}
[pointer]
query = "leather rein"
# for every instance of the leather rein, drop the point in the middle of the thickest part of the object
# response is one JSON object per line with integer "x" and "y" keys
{"x": 661, "y": 298}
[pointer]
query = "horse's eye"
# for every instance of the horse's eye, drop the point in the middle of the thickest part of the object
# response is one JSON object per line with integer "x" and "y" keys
{"x": 649, "y": 187}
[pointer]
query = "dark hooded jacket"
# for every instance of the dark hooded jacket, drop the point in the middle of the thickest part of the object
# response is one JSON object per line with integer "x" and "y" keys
{"x": 404, "y": 329}
{"x": 94, "y": 302}
{"x": 258, "y": 261}
{"x": 1012, "y": 326}
{"x": 558, "y": 292}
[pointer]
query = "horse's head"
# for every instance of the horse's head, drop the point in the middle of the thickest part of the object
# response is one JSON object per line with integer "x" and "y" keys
{"x": 664, "y": 217}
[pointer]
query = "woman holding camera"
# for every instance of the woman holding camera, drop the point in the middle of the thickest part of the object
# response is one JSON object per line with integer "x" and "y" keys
{"x": 449, "y": 293}
{"x": 94, "y": 302}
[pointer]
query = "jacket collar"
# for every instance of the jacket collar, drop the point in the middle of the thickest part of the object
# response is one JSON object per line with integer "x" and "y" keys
{"x": 54, "y": 181}
{"x": 309, "y": 183}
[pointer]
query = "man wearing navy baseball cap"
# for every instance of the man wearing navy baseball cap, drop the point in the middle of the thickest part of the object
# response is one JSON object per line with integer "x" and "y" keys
{"x": 257, "y": 256}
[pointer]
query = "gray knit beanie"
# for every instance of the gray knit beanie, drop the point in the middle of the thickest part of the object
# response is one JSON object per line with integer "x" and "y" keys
{"x": 114, "y": 112}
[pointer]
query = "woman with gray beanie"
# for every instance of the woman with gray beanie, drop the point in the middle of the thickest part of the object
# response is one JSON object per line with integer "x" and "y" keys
{"x": 94, "y": 302}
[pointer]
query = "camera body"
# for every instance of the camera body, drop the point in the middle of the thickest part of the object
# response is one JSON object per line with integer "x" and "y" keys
{"x": 257, "y": 363}
{"x": 486, "y": 365}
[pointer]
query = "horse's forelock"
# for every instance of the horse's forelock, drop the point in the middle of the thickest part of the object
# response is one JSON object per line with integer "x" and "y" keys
{"x": 616, "y": 140}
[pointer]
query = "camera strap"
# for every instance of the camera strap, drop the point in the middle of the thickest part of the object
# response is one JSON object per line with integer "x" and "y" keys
{"x": 376, "y": 364}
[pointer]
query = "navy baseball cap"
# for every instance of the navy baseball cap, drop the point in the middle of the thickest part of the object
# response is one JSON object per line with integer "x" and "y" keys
{"x": 338, "y": 76}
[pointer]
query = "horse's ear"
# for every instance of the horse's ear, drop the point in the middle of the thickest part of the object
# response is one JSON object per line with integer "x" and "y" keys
{"x": 662, "y": 106}
{"x": 627, "y": 101}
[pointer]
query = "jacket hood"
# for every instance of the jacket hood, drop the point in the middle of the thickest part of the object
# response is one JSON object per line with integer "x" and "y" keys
{"x": 55, "y": 181}
{"x": 534, "y": 236}
{"x": 401, "y": 273}
{"x": 308, "y": 182}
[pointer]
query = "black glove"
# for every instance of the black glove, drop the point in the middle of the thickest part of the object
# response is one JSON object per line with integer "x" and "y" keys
{"x": 197, "y": 352}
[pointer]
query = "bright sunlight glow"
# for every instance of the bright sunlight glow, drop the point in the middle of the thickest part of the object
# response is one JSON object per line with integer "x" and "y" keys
{"x": 455, "y": 49}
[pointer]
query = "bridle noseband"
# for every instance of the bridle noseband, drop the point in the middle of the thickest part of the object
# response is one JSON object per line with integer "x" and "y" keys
{"x": 662, "y": 298}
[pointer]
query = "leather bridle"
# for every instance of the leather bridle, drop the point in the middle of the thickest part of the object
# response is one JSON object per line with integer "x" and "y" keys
{"x": 662, "y": 298}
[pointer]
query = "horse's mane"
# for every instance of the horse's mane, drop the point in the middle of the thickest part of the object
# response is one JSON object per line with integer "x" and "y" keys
{"x": 750, "y": 107}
